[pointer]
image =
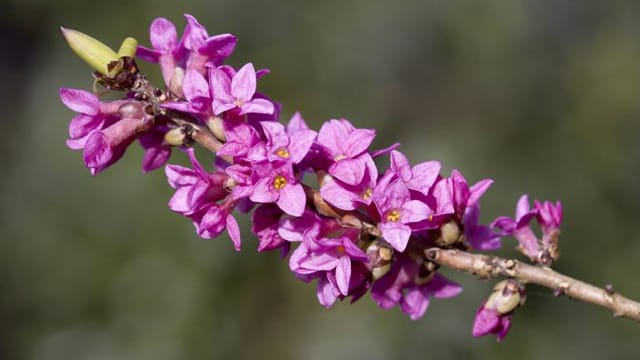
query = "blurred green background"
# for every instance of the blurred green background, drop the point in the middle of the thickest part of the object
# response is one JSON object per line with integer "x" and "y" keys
{"x": 541, "y": 96}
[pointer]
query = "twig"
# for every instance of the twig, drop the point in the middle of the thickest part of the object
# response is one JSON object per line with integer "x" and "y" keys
{"x": 486, "y": 266}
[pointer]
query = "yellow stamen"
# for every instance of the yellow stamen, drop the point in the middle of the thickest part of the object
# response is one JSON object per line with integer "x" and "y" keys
{"x": 366, "y": 194}
{"x": 279, "y": 182}
{"x": 283, "y": 153}
{"x": 393, "y": 216}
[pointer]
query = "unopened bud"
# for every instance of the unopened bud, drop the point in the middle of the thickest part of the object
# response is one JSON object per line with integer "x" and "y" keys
{"x": 449, "y": 234}
{"x": 507, "y": 296}
{"x": 134, "y": 110}
{"x": 380, "y": 256}
{"x": 128, "y": 47}
{"x": 175, "y": 137}
{"x": 214, "y": 123}
{"x": 380, "y": 271}
{"x": 92, "y": 51}
{"x": 177, "y": 79}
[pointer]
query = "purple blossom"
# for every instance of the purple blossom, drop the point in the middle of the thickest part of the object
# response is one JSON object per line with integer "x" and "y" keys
{"x": 265, "y": 224}
{"x": 237, "y": 92}
{"x": 201, "y": 196}
{"x": 284, "y": 145}
{"x": 191, "y": 52}
{"x": 348, "y": 197}
{"x": 241, "y": 138}
{"x": 330, "y": 259}
{"x": 106, "y": 146}
{"x": 156, "y": 152}
{"x": 396, "y": 209}
{"x": 92, "y": 116}
{"x": 454, "y": 200}
{"x": 490, "y": 321}
{"x": 495, "y": 313}
{"x": 406, "y": 286}
{"x": 195, "y": 89}
{"x": 194, "y": 187}
{"x": 548, "y": 215}
{"x": 550, "y": 218}
{"x": 345, "y": 144}
{"x": 420, "y": 177}
{"x": 520, "y": 229}
{"x": 277, "y": 183}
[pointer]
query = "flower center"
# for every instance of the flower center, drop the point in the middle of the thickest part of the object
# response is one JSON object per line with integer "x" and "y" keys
{"x": 340, "y": 249}
{"x": 393, "y": 216}
{"x": 279, "y": 182}
{"x": 366, "y": 194}
{"x": 283, "y": 153}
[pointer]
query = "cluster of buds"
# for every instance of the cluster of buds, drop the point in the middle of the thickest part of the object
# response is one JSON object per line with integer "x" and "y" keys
{"x": 359, "y": 230}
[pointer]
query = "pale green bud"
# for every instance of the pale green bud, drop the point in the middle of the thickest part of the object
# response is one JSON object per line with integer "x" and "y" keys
{"x": 128, "y": 47}
{"x": 175, "y": 137}
{"x": 92, "y": 51}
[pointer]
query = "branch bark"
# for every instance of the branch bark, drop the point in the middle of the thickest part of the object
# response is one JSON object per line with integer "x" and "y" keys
{"x": 487, "y": 266}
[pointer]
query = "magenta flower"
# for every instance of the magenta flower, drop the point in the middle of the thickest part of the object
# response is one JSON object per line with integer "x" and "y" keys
{"x": 265, "y": 225}
{"x": 520, "y": 229}
{"x": 191, "y": 52}
{"x": 348, "y": 197}
{"x": 194, "y": 187}
{"x": 405, "y": 286}
{"x": 93, "y": 115}
{"x": 393, "y": 201}
{"x": 420, "y": 177}
{"x": 548, "y": 215}
{"x": 201, "y": 196}
{"x": 212, "y": 219}
{"x": 105, "y": 147}
{"x": 284, "y": 145}
{"x": 495, "y": 313}
{"x": 237, "y": 92}
{"x": 156, "y": 152}
{"x": 345, "y": 144}
{"x": 330, "y": 259}
{"x": 195, "y": 89}
{"x": 455, "y": 201}
{"x": 277, "y": 183}
{"x": 241, "y": 138}
{"x": 490, "y": 321}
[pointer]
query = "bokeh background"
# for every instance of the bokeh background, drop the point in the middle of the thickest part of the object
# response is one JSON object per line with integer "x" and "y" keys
{"x": 542, "y": 96}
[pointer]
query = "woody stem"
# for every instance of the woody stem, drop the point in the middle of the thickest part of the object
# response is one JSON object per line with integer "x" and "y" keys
{"x": 487, "y": 266}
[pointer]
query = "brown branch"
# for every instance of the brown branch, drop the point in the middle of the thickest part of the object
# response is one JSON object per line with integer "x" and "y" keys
{"x": 486, "y": 266}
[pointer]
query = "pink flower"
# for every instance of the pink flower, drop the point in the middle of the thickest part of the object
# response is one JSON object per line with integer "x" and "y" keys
{"x": 237, "y": 92}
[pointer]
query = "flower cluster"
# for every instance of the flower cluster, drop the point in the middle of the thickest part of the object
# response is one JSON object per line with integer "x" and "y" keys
{"x": 359, "y": 230}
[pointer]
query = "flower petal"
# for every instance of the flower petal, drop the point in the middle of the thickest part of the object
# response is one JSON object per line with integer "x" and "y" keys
{"x": 358, "y": 142}
{"x": 292, "y": 199}
{"x": 343, "y": 274}
{"x": 243, "y": 85}
{"x": 326, "y": 292}
{"x": 80, "y": 101}
{"x": 257, "y": 106}
{"x": 234, "y": 231}
{"x": 349, "y": 171}
{"x": 163, "y": 35}
{"x": 300, "y": 143}
{"x": 396, "y": 234}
